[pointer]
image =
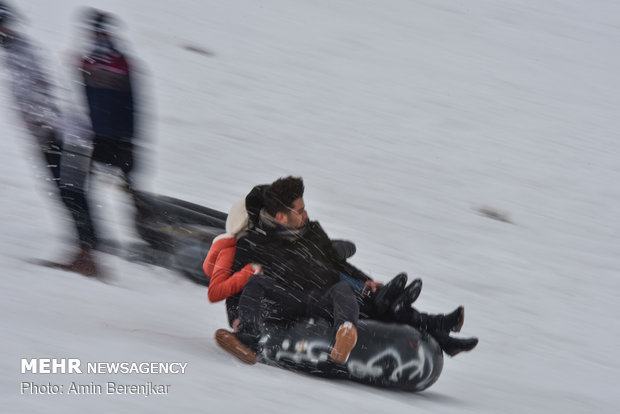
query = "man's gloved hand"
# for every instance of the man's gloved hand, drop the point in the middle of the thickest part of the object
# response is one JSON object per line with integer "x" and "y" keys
{"x": 344, "y": 249}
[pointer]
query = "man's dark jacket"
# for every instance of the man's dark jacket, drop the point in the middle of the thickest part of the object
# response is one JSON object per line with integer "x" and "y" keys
{"x": 110, "y": 95}
{"x": 308, "y": 262}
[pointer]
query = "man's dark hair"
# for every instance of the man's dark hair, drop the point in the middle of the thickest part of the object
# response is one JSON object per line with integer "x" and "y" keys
{"x": 281, "y": 194}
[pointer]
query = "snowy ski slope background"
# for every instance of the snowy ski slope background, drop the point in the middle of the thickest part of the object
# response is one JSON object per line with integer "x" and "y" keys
{"x": 406, "y": 120}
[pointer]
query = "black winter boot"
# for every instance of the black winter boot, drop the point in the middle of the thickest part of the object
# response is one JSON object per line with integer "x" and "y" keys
{"x": 451, "y": 322}
{"x": 386, "y": 295}
{"x": 407, "y": 297}
{"x": 453, "y": 346}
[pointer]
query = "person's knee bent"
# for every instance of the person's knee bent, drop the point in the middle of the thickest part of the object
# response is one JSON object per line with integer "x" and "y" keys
{"x": 343, "y": 288}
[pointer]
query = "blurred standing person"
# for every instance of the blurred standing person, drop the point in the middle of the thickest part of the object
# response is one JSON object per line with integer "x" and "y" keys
{"x": 32, "y": 92}
{"x": 108, "y": 85}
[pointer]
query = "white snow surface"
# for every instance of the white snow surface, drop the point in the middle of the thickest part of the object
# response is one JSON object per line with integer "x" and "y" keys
{"x": 406, "y": 120}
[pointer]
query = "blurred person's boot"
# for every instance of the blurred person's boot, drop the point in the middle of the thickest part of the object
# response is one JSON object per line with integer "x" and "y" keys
{"x": 83, "y": 263}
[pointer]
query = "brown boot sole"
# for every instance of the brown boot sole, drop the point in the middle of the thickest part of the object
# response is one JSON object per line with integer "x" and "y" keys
{"x": 346, "y": 338}
{"x": 229, "y": 343}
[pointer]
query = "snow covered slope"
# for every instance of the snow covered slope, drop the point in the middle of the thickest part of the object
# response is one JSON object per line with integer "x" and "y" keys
{"x": 408, "y": 121}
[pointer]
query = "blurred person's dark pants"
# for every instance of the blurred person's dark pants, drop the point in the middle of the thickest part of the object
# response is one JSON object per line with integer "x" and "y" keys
{"x": 75, "y": 200}
{"x": 72, "y": 196}
{"x": 106, "y": 150}
{"x": 115, "y": 152}
{"x": 51, "y": 149}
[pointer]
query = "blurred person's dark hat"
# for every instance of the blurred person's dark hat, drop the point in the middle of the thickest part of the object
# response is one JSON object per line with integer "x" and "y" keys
{"x": 7, "y": 14}
{"x": 99, "y": 21}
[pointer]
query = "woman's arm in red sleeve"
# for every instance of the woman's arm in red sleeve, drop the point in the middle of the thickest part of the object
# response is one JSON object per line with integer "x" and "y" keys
{"x": 223, "y": 282}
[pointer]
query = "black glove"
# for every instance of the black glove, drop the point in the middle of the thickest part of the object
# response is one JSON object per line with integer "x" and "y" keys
{"x": 344, "y": 249}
